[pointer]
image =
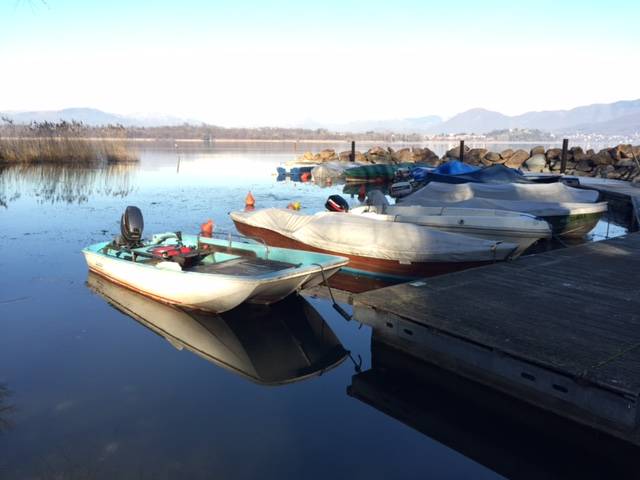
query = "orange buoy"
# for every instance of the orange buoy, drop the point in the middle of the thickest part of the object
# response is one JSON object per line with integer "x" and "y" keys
{"x": 249, "y": 201}
{"x": 305, "y": 177}
{"x": 206, "y": 229}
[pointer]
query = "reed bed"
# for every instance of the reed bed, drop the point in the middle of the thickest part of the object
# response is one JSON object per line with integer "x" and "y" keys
{"x": 64, "y": 143}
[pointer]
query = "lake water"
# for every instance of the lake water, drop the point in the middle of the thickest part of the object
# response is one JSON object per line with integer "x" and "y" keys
{"x": 88, "y": 391}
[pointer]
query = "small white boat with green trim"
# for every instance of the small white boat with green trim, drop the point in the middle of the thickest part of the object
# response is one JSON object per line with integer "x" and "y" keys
{"x": 202, "y": 273}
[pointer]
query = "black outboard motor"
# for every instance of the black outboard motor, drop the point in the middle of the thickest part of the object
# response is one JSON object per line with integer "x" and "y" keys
{"x": 335, "y": 203}
{"x": 131, "y": 226}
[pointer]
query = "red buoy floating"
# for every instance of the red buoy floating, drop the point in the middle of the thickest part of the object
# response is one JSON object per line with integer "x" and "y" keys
{"x": 249, "y": 201}
{"x": 206, "y": 229}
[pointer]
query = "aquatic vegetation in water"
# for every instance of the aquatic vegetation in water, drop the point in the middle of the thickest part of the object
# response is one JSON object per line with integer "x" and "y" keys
{"x": 63, "y": 143}
{"x": 55, "y": 183}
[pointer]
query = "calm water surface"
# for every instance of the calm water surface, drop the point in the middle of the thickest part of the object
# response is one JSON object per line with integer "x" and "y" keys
{"x": 98, "y": 382}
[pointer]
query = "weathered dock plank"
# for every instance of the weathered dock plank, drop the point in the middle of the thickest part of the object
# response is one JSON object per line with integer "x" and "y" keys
{"x": 562, "y": 326}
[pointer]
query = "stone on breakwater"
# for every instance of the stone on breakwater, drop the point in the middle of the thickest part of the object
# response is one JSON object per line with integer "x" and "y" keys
{"x": 493, "y": 157}
{"x": 507, "y": 154}
{"x": 378, "y": 155}
{"x": 539, "y": 150}
{"x": 536, "y": 163}
{"x": 455, "y": 152}
{"x": 475, "y": 156}
{"x": 577, "y": 153}
{"x": 346, "y": 156}
{"x": 425, "y": 155}
{"x": 403, "y": 155}
{"x": 554, "y": 153}
{"x": 327, "y": 155}
{"x": 603, "y": 157}
{"x": 517, "y": 159}
{"x": 585, "y": 165}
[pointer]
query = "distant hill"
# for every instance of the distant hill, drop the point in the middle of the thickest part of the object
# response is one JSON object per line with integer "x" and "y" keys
{"x": 626, "y": 125}
{"x": 95, "y": 117}
{"x": 619, "y": 118}
{"x": 482, "y": 121}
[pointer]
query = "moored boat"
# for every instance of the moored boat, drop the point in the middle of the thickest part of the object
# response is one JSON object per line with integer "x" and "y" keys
{"x": 571, "y": 212}
{"x": 458, "y": 172}
{"x": 394, "y": 250}
{"x": 512, "y": 227}
{"x": 375, "y": 173}
{"x": 212, "y": 274}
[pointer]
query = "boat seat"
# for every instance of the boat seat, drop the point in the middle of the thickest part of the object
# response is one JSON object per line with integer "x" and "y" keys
{"x": 248, "y": 266}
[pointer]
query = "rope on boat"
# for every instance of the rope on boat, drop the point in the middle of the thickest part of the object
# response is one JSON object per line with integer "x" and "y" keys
{"x": 335, "y": 305}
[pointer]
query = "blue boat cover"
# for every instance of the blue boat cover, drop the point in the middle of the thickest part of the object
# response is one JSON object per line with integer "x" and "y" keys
{"x": 455, "y": 167}
{"x": 493, "y": 174}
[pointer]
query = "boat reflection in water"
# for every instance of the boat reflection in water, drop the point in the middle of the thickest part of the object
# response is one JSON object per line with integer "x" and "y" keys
{"x": 512, "y": 438}
{"x": 284, "y": 343}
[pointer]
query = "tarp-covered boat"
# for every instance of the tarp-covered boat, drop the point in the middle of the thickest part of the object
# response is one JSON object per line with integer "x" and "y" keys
{"x": 571, "y": 212}
{"x": 330, "y": 171}
{"x": 512, "y": 227}
{"x": 388, "y": 249}
{"x": 212, "y": 274}
{"x": 493, "y": 174}
{"x": 286, "y": 343}
{"x": 379, "y": 172}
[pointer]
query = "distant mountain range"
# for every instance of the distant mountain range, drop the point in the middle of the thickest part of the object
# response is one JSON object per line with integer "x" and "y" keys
{"x": 93, "y": 116}
{"x": 587, "y": 119}
{"x": 619, "y": 118}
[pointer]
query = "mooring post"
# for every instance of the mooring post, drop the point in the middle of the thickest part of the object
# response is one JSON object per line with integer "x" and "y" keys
{"x": 462, "y": 150}
{"x": 563, "y": 160}
{"x": 352, "y": 155}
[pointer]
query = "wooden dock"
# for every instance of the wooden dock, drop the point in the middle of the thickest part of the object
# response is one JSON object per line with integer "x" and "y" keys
{"x": 559, "y": 329}
{"x": 623, "y": 198}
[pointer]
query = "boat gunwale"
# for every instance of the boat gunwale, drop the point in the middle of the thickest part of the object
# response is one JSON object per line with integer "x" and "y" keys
{"x": 265, "y": 278}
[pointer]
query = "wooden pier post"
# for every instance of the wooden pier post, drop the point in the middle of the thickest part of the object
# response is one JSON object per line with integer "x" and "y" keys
{"x": 563, "y": 161}
{"x": 352, "y": 155}
{"x": 462, "y": 150}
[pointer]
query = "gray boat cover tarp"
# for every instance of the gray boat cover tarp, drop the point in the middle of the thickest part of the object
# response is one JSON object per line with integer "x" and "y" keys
{"x": 547, "y": 199}
{"x": 367, "y": 237}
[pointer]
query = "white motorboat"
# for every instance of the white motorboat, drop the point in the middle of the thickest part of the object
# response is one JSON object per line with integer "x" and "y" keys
{"x": 212, "y": 274}
{"x": 400, "y": 250}
{"x": 512, "y": 227}
{"x": 571, "y": 212}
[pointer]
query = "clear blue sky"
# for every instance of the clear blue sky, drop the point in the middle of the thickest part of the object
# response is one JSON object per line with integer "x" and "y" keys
{"x": 251, "y": 63}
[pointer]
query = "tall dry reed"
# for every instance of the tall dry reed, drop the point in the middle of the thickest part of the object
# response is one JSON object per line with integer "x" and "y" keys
{"x": 64, "y": 143}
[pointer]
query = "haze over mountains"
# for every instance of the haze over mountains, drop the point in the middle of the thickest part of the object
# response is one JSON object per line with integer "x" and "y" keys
{"x": 619, "y": 118}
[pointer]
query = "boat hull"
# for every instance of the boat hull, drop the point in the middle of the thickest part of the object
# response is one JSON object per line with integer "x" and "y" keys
{"x": 574, "y": 226}
{"x": 212, "y": 293}
{"x": 380, "y": 267}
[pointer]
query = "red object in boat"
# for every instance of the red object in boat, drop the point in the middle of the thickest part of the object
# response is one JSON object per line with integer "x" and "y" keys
{"x": 206, "y": 229}
{"x": 305, "y": 177}
{"x": 170, "y": 251}
{"x": 249, "y": 201}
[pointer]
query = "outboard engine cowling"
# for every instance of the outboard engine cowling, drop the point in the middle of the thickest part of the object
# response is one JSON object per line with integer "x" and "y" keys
{"x": 335, "y": 203}
{"x": 131, "y": 227}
